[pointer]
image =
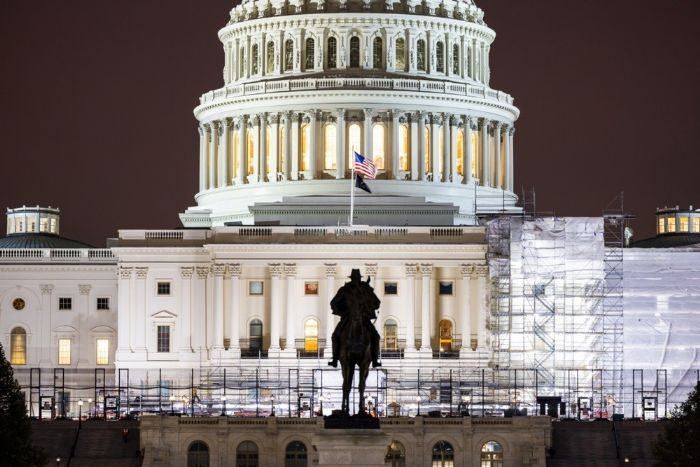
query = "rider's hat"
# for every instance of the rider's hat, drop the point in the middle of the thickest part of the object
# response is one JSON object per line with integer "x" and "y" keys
{"x": 355, "y": 274}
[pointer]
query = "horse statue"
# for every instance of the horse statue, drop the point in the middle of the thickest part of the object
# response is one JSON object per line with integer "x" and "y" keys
{"x": 355, "y": 339}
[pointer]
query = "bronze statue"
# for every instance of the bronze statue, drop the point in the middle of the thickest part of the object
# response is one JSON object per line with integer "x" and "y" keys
{"x": 355, "y": 339}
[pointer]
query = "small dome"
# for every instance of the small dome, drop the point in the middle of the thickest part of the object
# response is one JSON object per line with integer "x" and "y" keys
{"x": 36, "y": 227}
{"x": 39, "y": 240}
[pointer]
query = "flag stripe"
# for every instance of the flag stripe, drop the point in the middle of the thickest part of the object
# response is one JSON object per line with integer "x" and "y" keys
{"x": 365, "y": 166}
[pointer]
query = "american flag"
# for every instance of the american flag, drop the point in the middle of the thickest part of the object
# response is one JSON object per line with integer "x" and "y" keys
{"x": 365, "y": 166}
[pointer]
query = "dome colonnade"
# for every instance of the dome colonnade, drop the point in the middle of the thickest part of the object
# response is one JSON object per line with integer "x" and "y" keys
{"x": 305, "y": 86}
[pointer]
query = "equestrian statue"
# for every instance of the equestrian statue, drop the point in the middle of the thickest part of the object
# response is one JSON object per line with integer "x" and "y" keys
{"x": 355, "y": 339}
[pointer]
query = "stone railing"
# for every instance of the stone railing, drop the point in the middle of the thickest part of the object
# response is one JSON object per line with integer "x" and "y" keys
{"x": 398, "y": 84}
{"x": 57, "y": 255}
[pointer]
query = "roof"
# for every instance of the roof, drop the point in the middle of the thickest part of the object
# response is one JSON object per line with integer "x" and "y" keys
{"x": 668, "y": 241}
{"x": 39, "y": 240}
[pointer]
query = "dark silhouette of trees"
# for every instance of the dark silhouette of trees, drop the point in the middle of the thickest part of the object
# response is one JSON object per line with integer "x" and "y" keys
{"x": 679, "y": 443}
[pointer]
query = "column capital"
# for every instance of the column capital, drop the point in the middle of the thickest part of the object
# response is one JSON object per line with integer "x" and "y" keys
{"x": 481, "y": 271}
{"x": 426, "y": 269}
{"x": 84, "y": 289}
{"x": 125, "y": 272}
{"x": 273, "y": 119}
{"x": 46, "y": 289}
{"x": 511, "y": 130}
{"x": 436, "y": 119}
{"x": 275, "y": 269}
{"x": 340, "y": 114}
{"x": 331, "y": 269}
{"x": 466, "y": 270}
{"x": 141, "y": 272}
{"x": 371, "y": 269}
{"x": 290, "y": 269}
{"x": 201, "y": 130}
{"x": 203, "y": 272}
{"x": 186, "y": 272}
{"x": 225, "y": 123}
{"x": 234, "y": 269}
{"x": 411, "y": 269}
{"x": 218, "y": 269}
{"x": 496, "y": 125}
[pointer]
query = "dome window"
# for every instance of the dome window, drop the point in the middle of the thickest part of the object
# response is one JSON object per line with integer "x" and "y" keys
{"x": 332, "y": 52}
{"x": 288, "y": 55}
{"x": 420, "y": 52}
{"x": 310, "y": 54}
{"x": 400, "y": 51}
{"x": 354, "y": 52}
{"x": 377, "y": 53}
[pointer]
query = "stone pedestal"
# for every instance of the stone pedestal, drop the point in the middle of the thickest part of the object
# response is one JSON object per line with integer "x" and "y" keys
{"x": 359, "y": 448}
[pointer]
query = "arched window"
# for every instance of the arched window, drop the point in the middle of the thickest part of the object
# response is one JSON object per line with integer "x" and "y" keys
{"x": 378, "y": 145}
{"x": 254, "y": 59}
{"x": 256, "y": 335}
{"x": 377, "y": 53}
{"x": 400, "y": 51}
{"x": 332, "y": 52}
{"x": 440, "y": 57}
{"x": 305, "y": 156}
{"x": 247, "y": 454}
{"x": 250, "y": 142}
{"x": 455, "y": 59}
{"x": 310, "y": 335}
{"x": 404, "y": 156}
{"x": 270, "y": 57}
{"x": 198, "y": 454}
{"x": 445, "y": 329}
{"x": 354, "y": 52}
{"x": 288, "y": 54}
{"x": 460, "y": 151}
{"x": 420, "y": 52}
{"x": 491, "y": 454}
{"x": 354, "y": 141}
{"x": 391, "y": 335}
{"x": 295, "y": 455}
{"x": 18, "y": 346}
{"x": 395, "y": 455}
{"x": 443, "y": 454}
{"x": 310, "y": 54}
{"x": 329, "y": 138}
{"x": 426, "y": 149}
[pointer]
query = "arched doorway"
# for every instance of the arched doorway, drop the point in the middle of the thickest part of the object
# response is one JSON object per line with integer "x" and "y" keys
{"x": 445, "y": 329}
{"x": 491, "y": 454}
{"x": 18, "y": 346}
{"x": 391, "y": 331}
{"x": 247, "y": 454}
{"x": 198, "y": 454}
{"x": 256, "y": 335}
{"x": 395, "y": 455}
{"x": 310, "y": 335}
{"x": 295, "y": 455}
{"x": 443, "y": 454}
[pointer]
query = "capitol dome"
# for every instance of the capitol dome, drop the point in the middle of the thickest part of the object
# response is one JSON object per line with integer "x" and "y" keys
{"x": 306, "y": 83}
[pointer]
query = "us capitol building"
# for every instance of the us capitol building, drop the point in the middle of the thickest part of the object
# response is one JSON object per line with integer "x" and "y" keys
{"x": 230, "y": 314}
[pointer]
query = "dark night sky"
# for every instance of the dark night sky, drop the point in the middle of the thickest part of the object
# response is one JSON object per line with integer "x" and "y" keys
{"x": 97, "y": 98}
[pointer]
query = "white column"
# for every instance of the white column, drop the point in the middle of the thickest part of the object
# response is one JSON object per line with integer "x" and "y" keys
{"x": 186, "y": 309}
{"x": 123, "y": 309}
{"x": 331, "y": 269}
{"x": 313, "y": 137}
{"x": 256, "y": 149}
{"x": 368, "y": 135}
{"x": 446, "y": 148}
{"x": 273, "y": 150}
{"x": 286, "y": 153}
{"x": 415, "y": 150}
{"x": 223, "y": 156}
{"x": 199, "y": 309}
{"x": 410, "y": 303}
{"x": 240, "y": 176}
{"x": 213, "y": 143}
{"x": 234, "y": 315}
{"x": 497, "y": 141}
{"x": 142, "y": 320}
{"x": 395, "y": 144}
{"x": 47, "y": 312}
{"x": 509, "y": 154}
{"x": 426, "y": 271}
{"x": 485, "y": 159}
{"x": 454, "y": 128}
{"x": 482, "y": 310}
{"x": 290, "y": 271}
{"x": 294, "y": 141}
{"x": 275, "y": 305}
{"x": 340, "y": 144}
{"x": 218, "y": 270}
{"x": 202, "y": 158}
{"x": 436, "y": 121}
{"x": 464, "y": 316}
{"x": 468, "y": 152}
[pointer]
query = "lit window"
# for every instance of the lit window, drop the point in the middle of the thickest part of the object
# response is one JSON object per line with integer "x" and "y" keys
{"x": 310, "y": 335}
{"x": 475, "y": 146}
{"x": 330, "y": 147}
{"x": 235, "y": 154}
{"x": 64, "y": 351}
{"x": 440, "y": 55}
{"x": 354, "y": 141}
{"x": 491, "y": 454}
{"x": 18, "y": 346}
{"x": 305, "y": 148}
{"x": 270, "y": 57}
{"x": 378, "y": 145}
{"x": 102, "y": 352}
{"x": 671, "y": 222}
{"x": 395, "y": 455}
{"x": 404, "y": 157}
{"x": 65, "y": 303}
{"x": 332, "y": 52}
{"x": 288, "y": 54}
{"x": 254, "y": 59}
{"x": 420, "y": 52}
{"x": 662, "y": 225}
{"x": 696, "y": 224}
{"x": 163, "y": 288}
{"x": 683, "y": 223}
{"x": 102, "y": 303}
{"x": 250, "y": 141}
{"x": 445, "y": 329}
{"x": 310, "y": 54}
{"x": 377, "y": 53}
{"x": 163, "y": 338}
{"x": 460, "y": 152}
{"x": 400, "y": 54}
{"x": 391, "y": 335}
{"x": 455, "y": 59}
{"x": 426, "y": 150}
{"x": 43, "y": 224}
{"x": 53, "y": 225}
{"x": 354, "y": 52}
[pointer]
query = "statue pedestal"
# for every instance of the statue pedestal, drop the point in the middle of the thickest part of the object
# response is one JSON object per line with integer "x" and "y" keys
{"x": 359, "y": 448}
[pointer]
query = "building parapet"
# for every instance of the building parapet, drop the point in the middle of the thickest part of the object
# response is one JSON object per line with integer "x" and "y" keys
{"x": 57, "y": 255}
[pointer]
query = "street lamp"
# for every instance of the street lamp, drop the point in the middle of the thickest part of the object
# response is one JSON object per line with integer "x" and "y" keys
{"x": 58, "y": 462}
{"x": 172, "y": 403}
{"x": 80, "y": 412}
{"x": 223, "y": 409}
{"x": 89, "y": 408}
{"x": 272, "y": 404}
{"x": 418, "y": 401}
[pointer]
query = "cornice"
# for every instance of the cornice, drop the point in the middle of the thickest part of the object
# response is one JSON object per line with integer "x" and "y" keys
{"x": 58, "y": 268}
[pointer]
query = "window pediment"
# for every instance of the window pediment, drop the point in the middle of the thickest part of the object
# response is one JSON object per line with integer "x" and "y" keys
{"x": 163, "y": 314}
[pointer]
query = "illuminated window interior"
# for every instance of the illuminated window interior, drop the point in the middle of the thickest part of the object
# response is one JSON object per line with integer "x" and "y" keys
{"x": 671, "y": 224}
{"x": 18, "y": 346}
{"x": 250, "y": 152}
{"x": 696, "y": 224}
{"x": 683, "y": 223}
{"x": 491, "y": 454}
{"x": 330, "y": 147}
{"x": 460, "y": 152}
{"x": 235, "y": 153}
{"x": 102, "y": 352}
{"x": 378, "y": 145}
{"x": 64, "y": 351}
{"x": 391, "y": 335}
{"x": 400, "y": 50}
{"x": 445, "y": 328}
{"x": 310, "y": 335}
{"x": 475, "y": 158}
{"x": 354, "y": 141}
{"x": 305, "y": 147}
{"x": 404, "y": 156}
{"x": 661, "y": 228}
{"x": 426, "y": 150}
{"x": 268, "y": 155}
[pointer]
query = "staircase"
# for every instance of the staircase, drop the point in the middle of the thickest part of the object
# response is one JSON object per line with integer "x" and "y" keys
{"x": 54, "y": 437}
{"x": 101, "y": 442}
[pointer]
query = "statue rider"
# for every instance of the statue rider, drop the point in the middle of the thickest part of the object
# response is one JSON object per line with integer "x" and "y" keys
{"x": 368, "y": 303}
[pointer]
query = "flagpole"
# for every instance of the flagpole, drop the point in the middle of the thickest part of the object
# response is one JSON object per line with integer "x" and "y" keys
{"x": 352, "y": 188}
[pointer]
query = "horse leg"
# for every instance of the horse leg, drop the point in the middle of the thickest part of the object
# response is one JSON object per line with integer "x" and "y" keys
{"x": 364, "y": 371}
